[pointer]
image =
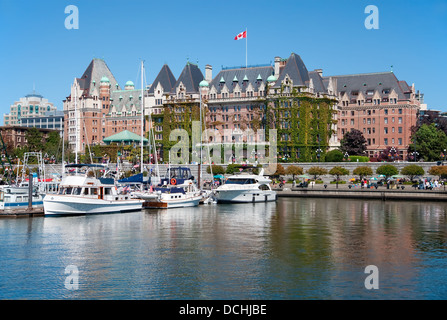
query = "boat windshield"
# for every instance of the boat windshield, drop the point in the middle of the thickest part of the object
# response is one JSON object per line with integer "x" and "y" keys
{"x": 240, "y": 181}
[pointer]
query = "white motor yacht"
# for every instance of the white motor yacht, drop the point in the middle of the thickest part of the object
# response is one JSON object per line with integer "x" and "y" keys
{"x": 245, "y": 187}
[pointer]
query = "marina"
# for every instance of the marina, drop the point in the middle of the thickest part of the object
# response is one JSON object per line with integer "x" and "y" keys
{"x": 289, "y": 249}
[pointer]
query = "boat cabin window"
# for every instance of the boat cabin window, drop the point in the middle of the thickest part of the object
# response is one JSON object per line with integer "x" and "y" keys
{"x": 264, "y": 187}
{"x": 107, "y": 191}
{"x": 240, "y": 181}
{"x": 19, "y": 199}
{"x": 8, "y": 199}
{"x": 77, "y": 191}
{"x": 68, "y": 190}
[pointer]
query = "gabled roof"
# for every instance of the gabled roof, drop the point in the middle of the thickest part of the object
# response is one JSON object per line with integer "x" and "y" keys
{"x": 96, "y": 70}
{"x": 165, "y": 78}
{"x": 123, "y": 100}
{"x": 296, "y": 70}
{"x": 379, "y": 82}
{"x": 317, "y": 80}
{"x": 124, "y": 136}
{"x": 190, "y": 77}
{"x": 254, "y": 76}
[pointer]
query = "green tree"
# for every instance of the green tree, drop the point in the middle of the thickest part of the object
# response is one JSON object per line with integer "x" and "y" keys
{"x": 338, "y": 171}
{"x": 387, "y": 170}
{"x": 334, "y": 156}
{"x": 429, "y": 142}
{"x": 316, "y": 172}
{"x": 294, "y": 170}
{"x": 412, "y": 171}
{"x": 362, "y": 172}
{"x": 34, "y": 139}
{"x": 216, "y": 169}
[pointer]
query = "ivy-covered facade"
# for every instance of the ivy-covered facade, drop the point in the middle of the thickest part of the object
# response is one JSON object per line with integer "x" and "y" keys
{"x": 285, "y": 97}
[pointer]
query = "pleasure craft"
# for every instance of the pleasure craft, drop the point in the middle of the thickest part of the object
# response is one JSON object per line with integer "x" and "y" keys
{"x": 245, "y": 187}
{"x": 81, "y": 193}
{"x": 17, "y": 198}
{"x": 176, "y": 190}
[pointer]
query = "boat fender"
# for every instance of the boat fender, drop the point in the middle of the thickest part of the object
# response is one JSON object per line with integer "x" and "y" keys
{"x": 173, "y": 181}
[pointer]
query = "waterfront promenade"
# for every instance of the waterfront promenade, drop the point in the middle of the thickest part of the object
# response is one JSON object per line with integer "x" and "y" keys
{"x": 354, "y": 191}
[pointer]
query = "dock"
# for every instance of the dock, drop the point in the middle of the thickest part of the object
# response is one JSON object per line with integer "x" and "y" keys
{"x": 22, "y": 213}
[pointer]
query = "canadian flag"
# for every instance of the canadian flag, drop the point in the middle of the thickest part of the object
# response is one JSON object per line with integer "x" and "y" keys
{"x": 241, "y": 35}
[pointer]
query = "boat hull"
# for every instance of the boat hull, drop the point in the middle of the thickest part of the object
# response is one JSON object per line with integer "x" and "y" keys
{"x": 69, "y": 206}
{"x": 168, "y": 204}
{"x": 244, "y": 196}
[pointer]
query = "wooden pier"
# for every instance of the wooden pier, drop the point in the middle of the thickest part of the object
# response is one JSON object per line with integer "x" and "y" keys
{"x": 22, "y": 213}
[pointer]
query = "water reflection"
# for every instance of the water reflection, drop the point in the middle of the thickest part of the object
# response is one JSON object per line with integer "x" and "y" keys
{"x": 292, "y": 249}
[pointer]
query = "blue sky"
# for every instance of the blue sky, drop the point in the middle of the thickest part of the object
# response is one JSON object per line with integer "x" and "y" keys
{"x": 36, "y": 48}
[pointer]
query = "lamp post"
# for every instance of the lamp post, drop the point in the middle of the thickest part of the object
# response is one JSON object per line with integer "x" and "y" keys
{"x": 415, "y": 154}
{"x": 346, "y": 156}
{"x": 318, "y": 151}
{"x": 392, "y": 153}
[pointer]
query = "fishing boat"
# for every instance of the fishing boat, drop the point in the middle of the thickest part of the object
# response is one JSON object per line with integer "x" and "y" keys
{"x": 81, "y": 193}
{"x": 245, "y": 187}
{"x": 176, "y": 190}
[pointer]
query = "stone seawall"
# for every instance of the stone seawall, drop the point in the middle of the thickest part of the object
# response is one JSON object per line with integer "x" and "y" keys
{"x": 380, "y": 194}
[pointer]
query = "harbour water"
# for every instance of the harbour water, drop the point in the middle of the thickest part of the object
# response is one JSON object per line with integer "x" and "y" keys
{"x": 295, "y": 248}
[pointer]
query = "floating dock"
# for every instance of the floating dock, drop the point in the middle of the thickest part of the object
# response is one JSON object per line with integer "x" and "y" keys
{"x": 22, "y": 213}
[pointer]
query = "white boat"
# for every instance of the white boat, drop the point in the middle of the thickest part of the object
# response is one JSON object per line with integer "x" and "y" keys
{"x": 17, "y": 198}
{"x": 176, "y": 190}
{"x": 244, "y": 188}
{"x": 84, "y": 194}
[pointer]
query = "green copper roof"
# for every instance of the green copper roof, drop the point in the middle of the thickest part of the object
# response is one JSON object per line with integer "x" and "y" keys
{"x": 222, "y": 79}
{"x": 245, "y": 78}
{"x": 271, "y": 78}
{"x": 259, "y": 77}
{"x": 203, "y": 83}
{"x": 235, "y": 79}
{"x": 124, "y": 136}
{"x": 130, "y": 83}
{"x": 105, "y": 79}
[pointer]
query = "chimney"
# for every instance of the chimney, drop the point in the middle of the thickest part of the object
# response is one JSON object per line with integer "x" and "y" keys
{"x": 277, "y": 64}
{"x": 319, "y": 71}
{"x": 208, "y": 73}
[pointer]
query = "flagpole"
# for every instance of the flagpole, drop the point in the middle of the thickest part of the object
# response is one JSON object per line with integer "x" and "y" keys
{"x": 246, "y": 46}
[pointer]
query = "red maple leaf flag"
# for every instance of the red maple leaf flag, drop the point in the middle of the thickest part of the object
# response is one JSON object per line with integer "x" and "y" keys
{"x": 241, "y": 35}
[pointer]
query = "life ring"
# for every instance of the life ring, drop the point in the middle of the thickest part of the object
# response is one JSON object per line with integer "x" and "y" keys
{"x": 173, "y": 181}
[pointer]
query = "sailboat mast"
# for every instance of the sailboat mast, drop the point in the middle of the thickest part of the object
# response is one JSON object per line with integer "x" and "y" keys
{"x": 63, "y": 152}
{"x": 142, "y": 117}
{"x": 76, "y": 120}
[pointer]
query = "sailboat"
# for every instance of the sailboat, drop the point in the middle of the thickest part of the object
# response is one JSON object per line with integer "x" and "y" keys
{"x": 176, "y": 190}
